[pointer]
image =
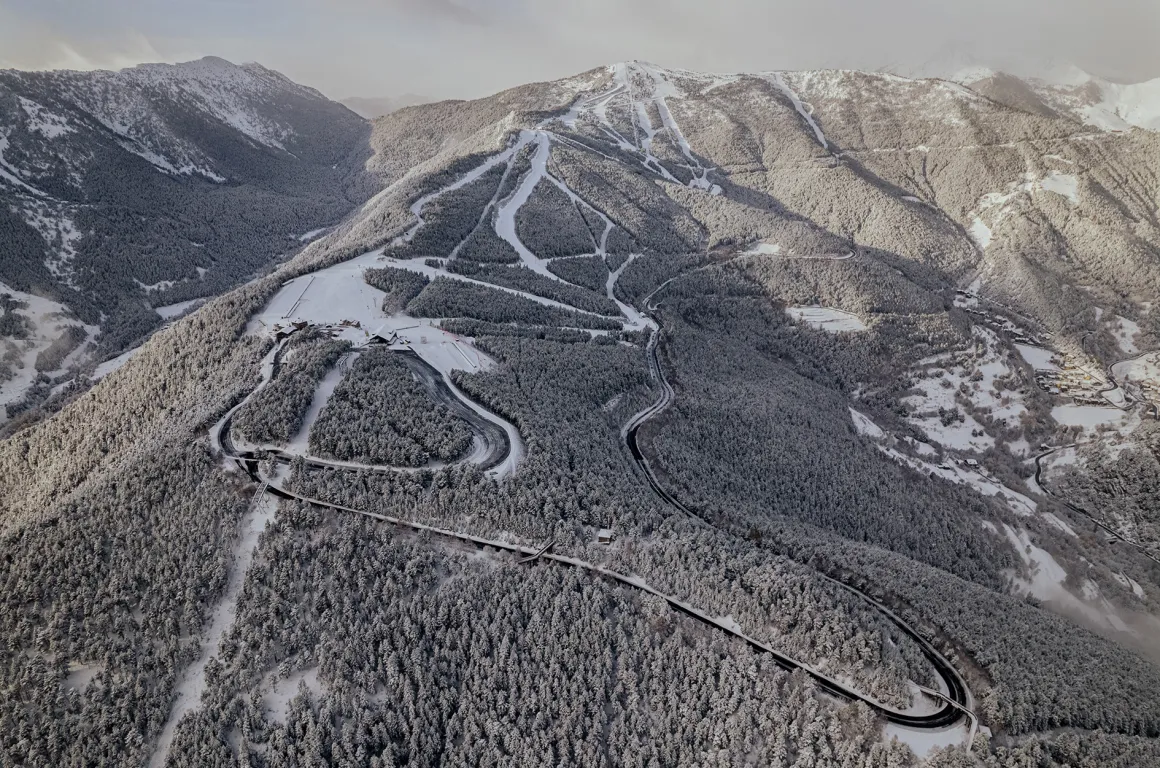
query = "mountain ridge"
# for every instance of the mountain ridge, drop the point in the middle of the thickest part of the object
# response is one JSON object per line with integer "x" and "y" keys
{"x": 223, "y": 166}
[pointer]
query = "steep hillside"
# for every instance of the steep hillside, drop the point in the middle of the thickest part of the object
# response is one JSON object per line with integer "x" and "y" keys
{"x": 145, "y": 188}
{"x": 700, "y": 418}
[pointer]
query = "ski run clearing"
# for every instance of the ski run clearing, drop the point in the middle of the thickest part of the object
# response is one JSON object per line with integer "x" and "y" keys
{"x": 171, "y": 311}
{"x": 191, "y": 683}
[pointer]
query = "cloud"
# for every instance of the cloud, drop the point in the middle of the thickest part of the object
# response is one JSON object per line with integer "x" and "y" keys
{"x": 33, "y": 44}
{"x": 463, "y": 14}
{"x": 464, "y": 48}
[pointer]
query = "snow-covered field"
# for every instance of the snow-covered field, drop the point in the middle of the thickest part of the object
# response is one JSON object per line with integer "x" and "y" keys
{"x": 976, "y": 376}
{"x": 827, "y": 319}
{"x": 1037, "y": 357}
{"x": 1091, "y": 417}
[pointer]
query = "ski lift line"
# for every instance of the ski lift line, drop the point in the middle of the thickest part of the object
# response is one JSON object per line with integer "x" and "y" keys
{"x": 463, "y": 354}
{"x": 294, "y": 307}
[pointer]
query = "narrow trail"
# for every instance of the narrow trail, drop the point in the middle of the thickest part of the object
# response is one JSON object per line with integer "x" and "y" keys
{"x": 191, "y": 682}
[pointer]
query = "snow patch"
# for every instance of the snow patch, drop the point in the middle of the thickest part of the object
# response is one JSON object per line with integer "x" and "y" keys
{"x": 980, "y": 233}
{"x": 865, "y": 426}
{"x": 107, "y": 367}
{"x": 171, "y": 311}
{"x": 80, "y": 675}
{"x": 763, "y": 249}
{"x": 313, "y": 234}
{"x": 300, "y": 443}
{"x": 1047, "y": 583}
{"x": 1038, "y": 358}
{"x": 276, "y": 700}
{"x": 1061, "y": 184}
{"x": 827, "y": 319}
{"x": 1126, "y": 331}
{"x": 974, "y": 376}
{"x": 44, "y": 122}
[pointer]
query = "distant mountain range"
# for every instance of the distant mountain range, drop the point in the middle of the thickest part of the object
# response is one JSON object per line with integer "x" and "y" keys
{"x": 370, "y": 108}
{"x": 1073, "y": 93}
{"x": 160, "y": 184}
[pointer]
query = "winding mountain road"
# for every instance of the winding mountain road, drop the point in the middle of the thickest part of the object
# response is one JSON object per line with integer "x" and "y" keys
{"x": 497, "y": 441}
{"x": 957, "y": 696}
{"x": 492, "y": 445}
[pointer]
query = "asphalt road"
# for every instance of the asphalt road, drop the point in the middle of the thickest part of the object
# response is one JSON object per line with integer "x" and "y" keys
{"x": 956, "y": 687}
{"x": 497, "y": 447}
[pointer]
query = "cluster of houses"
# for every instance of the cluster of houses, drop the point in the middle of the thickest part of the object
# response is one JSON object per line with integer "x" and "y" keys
{"x": 1082, "y": 385}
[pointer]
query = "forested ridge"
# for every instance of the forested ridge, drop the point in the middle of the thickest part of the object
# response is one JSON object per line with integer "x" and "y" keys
{"x": 380, "y": 415}
{"x": 275, "y": 414}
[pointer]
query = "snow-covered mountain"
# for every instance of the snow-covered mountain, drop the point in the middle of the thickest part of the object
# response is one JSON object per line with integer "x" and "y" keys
{"x": 163, "y": 183}
{"x": 1070, "y": 91}
{"x": 595, "y": 390}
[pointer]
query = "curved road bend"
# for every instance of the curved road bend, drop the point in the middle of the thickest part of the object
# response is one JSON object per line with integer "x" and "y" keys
{"x": 955, "y": 685}
{"x": 946, "y": 716}
{"x": 492, "y": 448}
{"x": 942, "y": 718}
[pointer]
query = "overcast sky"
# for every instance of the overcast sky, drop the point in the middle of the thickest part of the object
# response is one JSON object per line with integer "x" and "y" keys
{"x": 466, "y": 48}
